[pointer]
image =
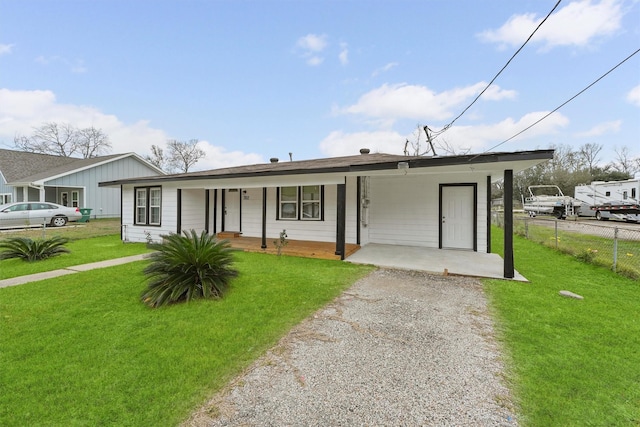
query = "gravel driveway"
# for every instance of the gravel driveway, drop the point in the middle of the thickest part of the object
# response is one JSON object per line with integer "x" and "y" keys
{"x": 398, "y": 348}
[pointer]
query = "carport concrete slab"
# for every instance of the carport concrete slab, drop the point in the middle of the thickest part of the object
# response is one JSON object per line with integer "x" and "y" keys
{"x": 463, "y": 263}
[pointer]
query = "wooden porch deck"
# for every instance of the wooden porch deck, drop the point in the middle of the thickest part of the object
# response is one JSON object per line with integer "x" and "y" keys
{"x": 301, "y": 248}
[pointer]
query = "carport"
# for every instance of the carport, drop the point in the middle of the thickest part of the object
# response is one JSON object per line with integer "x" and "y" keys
{"x": 439, "y": 261}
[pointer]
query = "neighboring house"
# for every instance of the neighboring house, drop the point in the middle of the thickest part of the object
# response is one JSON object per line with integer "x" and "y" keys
{"x": 68, "y": 181}
{"x": 434, "y": 202}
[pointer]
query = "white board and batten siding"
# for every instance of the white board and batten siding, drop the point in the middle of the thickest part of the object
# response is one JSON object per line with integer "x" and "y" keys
{"x": 104, "y": 201}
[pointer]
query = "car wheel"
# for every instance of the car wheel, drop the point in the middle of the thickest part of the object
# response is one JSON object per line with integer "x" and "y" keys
{"x": 557, "y": 214}
{"x": 58, "y": 221}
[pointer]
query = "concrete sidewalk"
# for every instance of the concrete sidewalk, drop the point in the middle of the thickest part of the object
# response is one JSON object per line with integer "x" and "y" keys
{"x": 69, "y": 270}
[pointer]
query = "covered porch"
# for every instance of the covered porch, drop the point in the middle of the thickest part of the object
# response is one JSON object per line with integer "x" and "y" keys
{"x": 301, "y": 248}
{"x": 438, "y": 261}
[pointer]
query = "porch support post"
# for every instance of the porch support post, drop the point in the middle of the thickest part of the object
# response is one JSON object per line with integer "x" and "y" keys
{"x": 179, "y": 213}
{"x": 489, "y": 214}
{"x": 341, "y": 219}
{"x": 224, "y": 209}
{"x": 206, "y": 211}
{"x": 508, "y": 224}
{"x": 264, "y": 218}
{"x": 215, "y": 211}
{"x": 358, "y": 212}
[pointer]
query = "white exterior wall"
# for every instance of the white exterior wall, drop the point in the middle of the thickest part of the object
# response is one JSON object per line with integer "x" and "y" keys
{"x": 404, "y": 210}
{"x": 193, "y": 210}
{"x": 168, "y": 220}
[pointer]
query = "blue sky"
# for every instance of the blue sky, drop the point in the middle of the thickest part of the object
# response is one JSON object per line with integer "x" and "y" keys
{"x": 258, "y": 79}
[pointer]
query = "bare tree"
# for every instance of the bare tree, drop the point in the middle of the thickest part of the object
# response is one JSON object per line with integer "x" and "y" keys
{"x": 416, "y": 147}
{"x": 624, "y": 162}
{"x": 184, "y": 154}
{"x": 157, "y": 158}
{"x": 589, "y": 153}
{"x": 63, "y": 139}
{"x": 93, "y": 142}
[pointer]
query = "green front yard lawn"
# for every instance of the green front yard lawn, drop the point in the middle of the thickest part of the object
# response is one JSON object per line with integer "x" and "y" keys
{"x": 82, "y": 350}
{"x": 82, "y": 252}
{"x": 571, "y": 362}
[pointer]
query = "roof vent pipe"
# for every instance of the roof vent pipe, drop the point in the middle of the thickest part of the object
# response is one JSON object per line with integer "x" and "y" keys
{"x": 273, "y": 160}
{"x": 364, "y": 151}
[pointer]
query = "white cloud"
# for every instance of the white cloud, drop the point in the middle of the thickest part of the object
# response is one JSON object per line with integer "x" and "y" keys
{"x": 6, "y": 49}
{"x": 579, "y": 23}
{"x": 218, "y": 157}
{"x": 384, "y": 69}
{"x": 418, "y": 102}
{"x": 310, "y": 46}
{"x": 634, "y": 96}
{"x": 339, "y": 143}
{"x": 602, "y": 128}
{"x": 459, "y": 138}
{"x": 75, "y": 66}
{"x": 344, "y": 54}
{"x": 22, "y": 110}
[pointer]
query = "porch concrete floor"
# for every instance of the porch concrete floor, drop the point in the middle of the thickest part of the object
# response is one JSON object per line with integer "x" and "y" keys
{"x": 463, "y": 263}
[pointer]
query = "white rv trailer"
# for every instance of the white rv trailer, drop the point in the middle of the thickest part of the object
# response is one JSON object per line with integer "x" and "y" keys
{"x": 610, "y": 199}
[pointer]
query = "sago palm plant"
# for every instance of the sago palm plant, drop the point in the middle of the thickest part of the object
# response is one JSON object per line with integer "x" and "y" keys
{"x": 188, "y": 266}
{"x": 32, "y": 250}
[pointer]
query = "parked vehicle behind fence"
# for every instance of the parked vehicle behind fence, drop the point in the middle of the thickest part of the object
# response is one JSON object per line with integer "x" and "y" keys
{"x": 36, "y": 214}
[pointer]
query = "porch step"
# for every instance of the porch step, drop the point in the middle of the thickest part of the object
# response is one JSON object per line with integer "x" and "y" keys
{"x": 228, "y": 234}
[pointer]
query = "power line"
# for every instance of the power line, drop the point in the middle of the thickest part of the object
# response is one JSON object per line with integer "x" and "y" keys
{"x": 564, "y": 103}
{"x": 499, "y": 72}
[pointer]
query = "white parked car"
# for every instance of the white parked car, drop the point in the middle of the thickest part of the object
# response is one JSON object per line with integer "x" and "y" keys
{"x": 34, "y": 214}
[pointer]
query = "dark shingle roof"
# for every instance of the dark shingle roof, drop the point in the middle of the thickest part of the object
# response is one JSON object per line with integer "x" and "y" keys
{"x": 347, "y": 164}
{"x": 16, "y": 165}
{"x": 21, "y": 166}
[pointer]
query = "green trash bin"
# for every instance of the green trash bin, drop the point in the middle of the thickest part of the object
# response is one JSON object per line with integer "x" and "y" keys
{"x": 86, "y": 214}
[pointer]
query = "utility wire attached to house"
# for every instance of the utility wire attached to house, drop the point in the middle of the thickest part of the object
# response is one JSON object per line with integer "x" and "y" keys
{"x": 445, "y": 128}
{"x": 563, "y": 104}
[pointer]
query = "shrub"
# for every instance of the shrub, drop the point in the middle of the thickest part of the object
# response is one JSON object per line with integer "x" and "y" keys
{"x": 188, "y": 267}
{"x": 33, "y": 250}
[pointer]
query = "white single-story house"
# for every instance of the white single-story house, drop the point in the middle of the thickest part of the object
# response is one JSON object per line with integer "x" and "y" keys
{"x": 69, "y": 181}
{"x": 440, "y": 202}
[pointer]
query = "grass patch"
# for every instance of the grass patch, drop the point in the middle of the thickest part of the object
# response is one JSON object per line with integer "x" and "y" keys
{"x": 82, "y": 252}
{"x": 573, "y": 362}
{"x": 83, "y": 350}
{"x": 73, "y": 230}
{"x": 596, "y": 250}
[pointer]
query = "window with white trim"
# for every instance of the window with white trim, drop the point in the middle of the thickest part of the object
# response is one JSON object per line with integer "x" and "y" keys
{"x": 75, "y": 199}
{"x": 311, "y": 202}
{"x": 300, "y": 203}
{"x": 5, "y": 198}
{"x": 148, "y": 205}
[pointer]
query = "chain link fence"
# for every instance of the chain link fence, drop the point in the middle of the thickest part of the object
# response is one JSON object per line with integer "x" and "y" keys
{"x": 609, "y": 244}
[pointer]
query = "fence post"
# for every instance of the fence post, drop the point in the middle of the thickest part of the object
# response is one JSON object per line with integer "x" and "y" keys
{"x": 615, "y": 249}
{"x": 44, "y": 228}
{"x": 556, "y": 224}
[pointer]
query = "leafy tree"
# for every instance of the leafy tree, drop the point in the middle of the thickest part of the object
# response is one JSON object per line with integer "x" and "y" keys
{"x": 188, "y": 267}
{"x": 63, "y": 139}
{"x": 32, "y": 250}
{"x": 184, "y": 154}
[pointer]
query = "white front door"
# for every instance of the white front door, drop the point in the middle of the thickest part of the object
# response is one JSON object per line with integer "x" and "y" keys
{"x": 457, "y": 217}
{"x": 232, "y": 210}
